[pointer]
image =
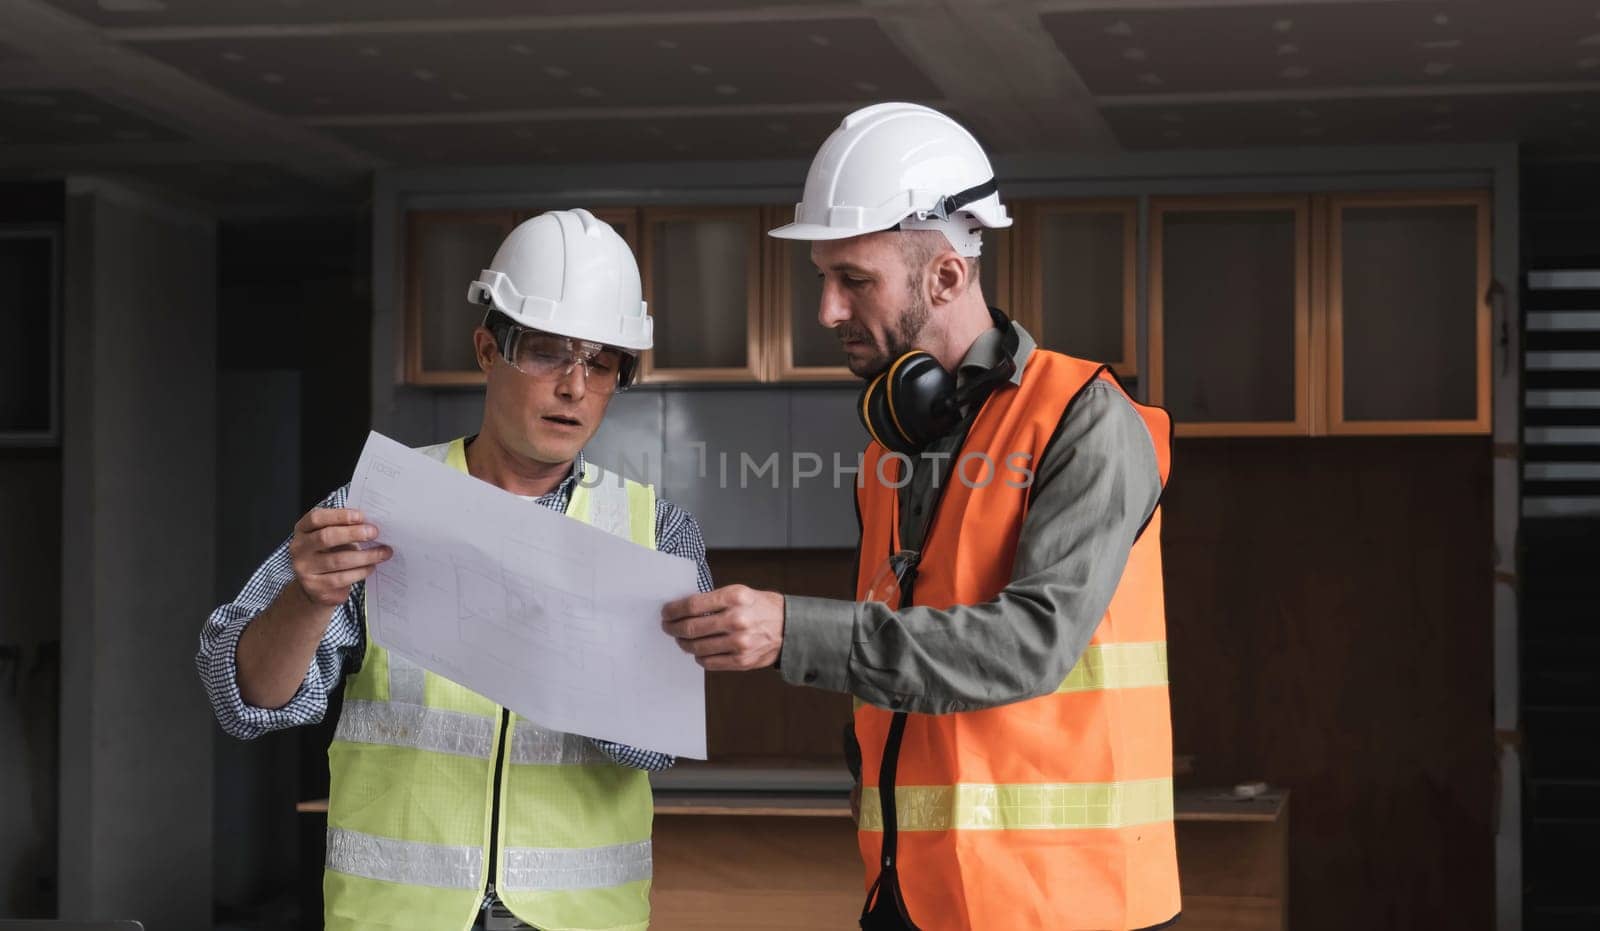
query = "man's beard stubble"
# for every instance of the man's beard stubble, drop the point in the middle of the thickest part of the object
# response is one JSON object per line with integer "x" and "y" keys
{"x": 902, "y": 336}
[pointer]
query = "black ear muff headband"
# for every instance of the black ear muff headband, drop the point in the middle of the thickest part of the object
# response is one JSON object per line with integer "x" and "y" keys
{"x": 915, "y": 400}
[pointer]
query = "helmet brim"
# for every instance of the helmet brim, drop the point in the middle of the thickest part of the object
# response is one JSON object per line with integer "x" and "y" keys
{"x": 591, "y": 334}
{"x": 815, "y": 231}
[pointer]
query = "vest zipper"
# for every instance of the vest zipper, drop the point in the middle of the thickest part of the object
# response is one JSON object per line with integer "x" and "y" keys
{"x": 494, "y": 809}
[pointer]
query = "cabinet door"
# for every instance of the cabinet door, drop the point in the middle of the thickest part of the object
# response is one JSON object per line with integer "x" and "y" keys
{"x": 825, "y": 444}
{"x": 1408, "y": 321}
{"x": 800, "y": 348}
{"x": 445, "y": 251}
{"x": 995, "y": 270}
{"x": 1080, "y": 268}
{"x": 1230, "y": 314}
{"x": 702, "y": 278}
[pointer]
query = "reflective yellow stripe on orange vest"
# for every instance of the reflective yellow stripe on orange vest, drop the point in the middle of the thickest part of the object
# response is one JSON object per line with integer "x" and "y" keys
{"x": 1026, "y": 807}
{"x": 1114, "y": 666}
{"x": 1118, "y": 666}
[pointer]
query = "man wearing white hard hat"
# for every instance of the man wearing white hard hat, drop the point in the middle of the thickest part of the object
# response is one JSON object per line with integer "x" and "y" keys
{"x": 1007, "y": 645}
{"x": 447, "y": 811}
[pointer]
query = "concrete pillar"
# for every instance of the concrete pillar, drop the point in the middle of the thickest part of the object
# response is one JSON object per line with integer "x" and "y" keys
{"x": 139, "y": 461}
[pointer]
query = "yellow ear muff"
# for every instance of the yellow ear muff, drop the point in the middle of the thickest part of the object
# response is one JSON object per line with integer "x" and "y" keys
{"x": 904, "y": 438}
{"x": 866, "y": 401}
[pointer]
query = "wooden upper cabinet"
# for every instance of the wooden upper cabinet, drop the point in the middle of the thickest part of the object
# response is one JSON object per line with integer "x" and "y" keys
{"x": 1269, "y": 315}
{"x": 445, "y": 251}
{"x": 1080, "y": 265}
{"x": 800, "y": 348}
{"x": 1408, "y": 313}
{"x": 702, "y": 278}
{"x": 1230, "y": 311}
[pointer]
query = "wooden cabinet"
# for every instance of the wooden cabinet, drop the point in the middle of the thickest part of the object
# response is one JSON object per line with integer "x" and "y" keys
{"x": 1408, "y": 313}
{"x": 445, "y": 251}
{"x": 1080, "y": 266}
{"x": 1230, "y": 334}
{"x": 800, "y": 348}
{"x": 702, "y": 278}
{"x": 1326, "y": 314}
{"x": 1295, "y": 315}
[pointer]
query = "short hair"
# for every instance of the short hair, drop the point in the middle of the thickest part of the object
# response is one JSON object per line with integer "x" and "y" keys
{"x": 919, "y": 247}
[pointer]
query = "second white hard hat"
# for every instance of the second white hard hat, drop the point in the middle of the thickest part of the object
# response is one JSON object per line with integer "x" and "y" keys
{"x": 899, "y": 165}
{"x": 568, "y": 272}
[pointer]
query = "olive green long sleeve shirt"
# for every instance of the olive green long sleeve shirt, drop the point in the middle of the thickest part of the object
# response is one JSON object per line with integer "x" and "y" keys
{"x": 1094, "y": 488}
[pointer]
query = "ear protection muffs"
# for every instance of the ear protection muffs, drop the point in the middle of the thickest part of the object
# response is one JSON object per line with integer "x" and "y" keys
{"x": 915, "y": 401}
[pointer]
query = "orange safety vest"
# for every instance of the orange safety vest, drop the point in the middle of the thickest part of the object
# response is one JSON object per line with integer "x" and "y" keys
{"x": 1055, "y": 812}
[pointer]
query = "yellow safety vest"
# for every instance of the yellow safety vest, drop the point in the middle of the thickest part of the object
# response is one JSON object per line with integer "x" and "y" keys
{"x": 412, "y": 786}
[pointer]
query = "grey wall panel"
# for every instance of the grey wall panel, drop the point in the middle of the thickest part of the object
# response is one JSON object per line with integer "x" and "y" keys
{"x": 629, "y": 438}
{"x": 724, "y": 461}
{"x": 456, "y": 413}
{"x": 826, "y": 437}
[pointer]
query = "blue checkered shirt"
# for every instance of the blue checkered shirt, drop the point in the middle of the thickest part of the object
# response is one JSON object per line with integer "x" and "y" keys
{"x": 344, "y": 643}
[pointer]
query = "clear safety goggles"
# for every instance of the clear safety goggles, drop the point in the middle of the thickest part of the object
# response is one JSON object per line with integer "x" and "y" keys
{"x": 548, "y": 356}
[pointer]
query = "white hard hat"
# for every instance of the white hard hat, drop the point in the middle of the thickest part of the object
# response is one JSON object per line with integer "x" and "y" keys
{"x": 568, "y": 272}
{"x": 899, "y": 166}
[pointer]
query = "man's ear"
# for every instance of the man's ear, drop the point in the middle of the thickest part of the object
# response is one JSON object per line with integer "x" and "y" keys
{"x": 950, "y": 278}
{"x": 484, "y": 348}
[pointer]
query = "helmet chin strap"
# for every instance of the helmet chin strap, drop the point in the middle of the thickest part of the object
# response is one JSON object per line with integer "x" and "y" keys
{"x": 964, "y": 230}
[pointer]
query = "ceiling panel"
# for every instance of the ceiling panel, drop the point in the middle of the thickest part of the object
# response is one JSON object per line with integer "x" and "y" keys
{"x": 771, "y": 62}
{"x": 69, "y": 117}
{"x": 138, "y": 13}
{"x": 224, "y": 183}
{"x": 1293, "y": 46}
{"x": 1555, "y": 121}
{"x": 701, "y": 138}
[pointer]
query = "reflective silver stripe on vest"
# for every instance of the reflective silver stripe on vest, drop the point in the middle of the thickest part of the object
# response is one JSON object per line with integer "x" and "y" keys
{"x": 405, "y": 680}
{"x": 608, "y": 502}
{"x": 416, "y": 727}
{"x": 411, "y": 863}
{"x": 547, "y": 869}
{"x": 533, "y": 745}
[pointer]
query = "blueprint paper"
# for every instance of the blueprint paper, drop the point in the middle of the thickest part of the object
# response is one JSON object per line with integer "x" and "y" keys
{"x": 546, "y": 615}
